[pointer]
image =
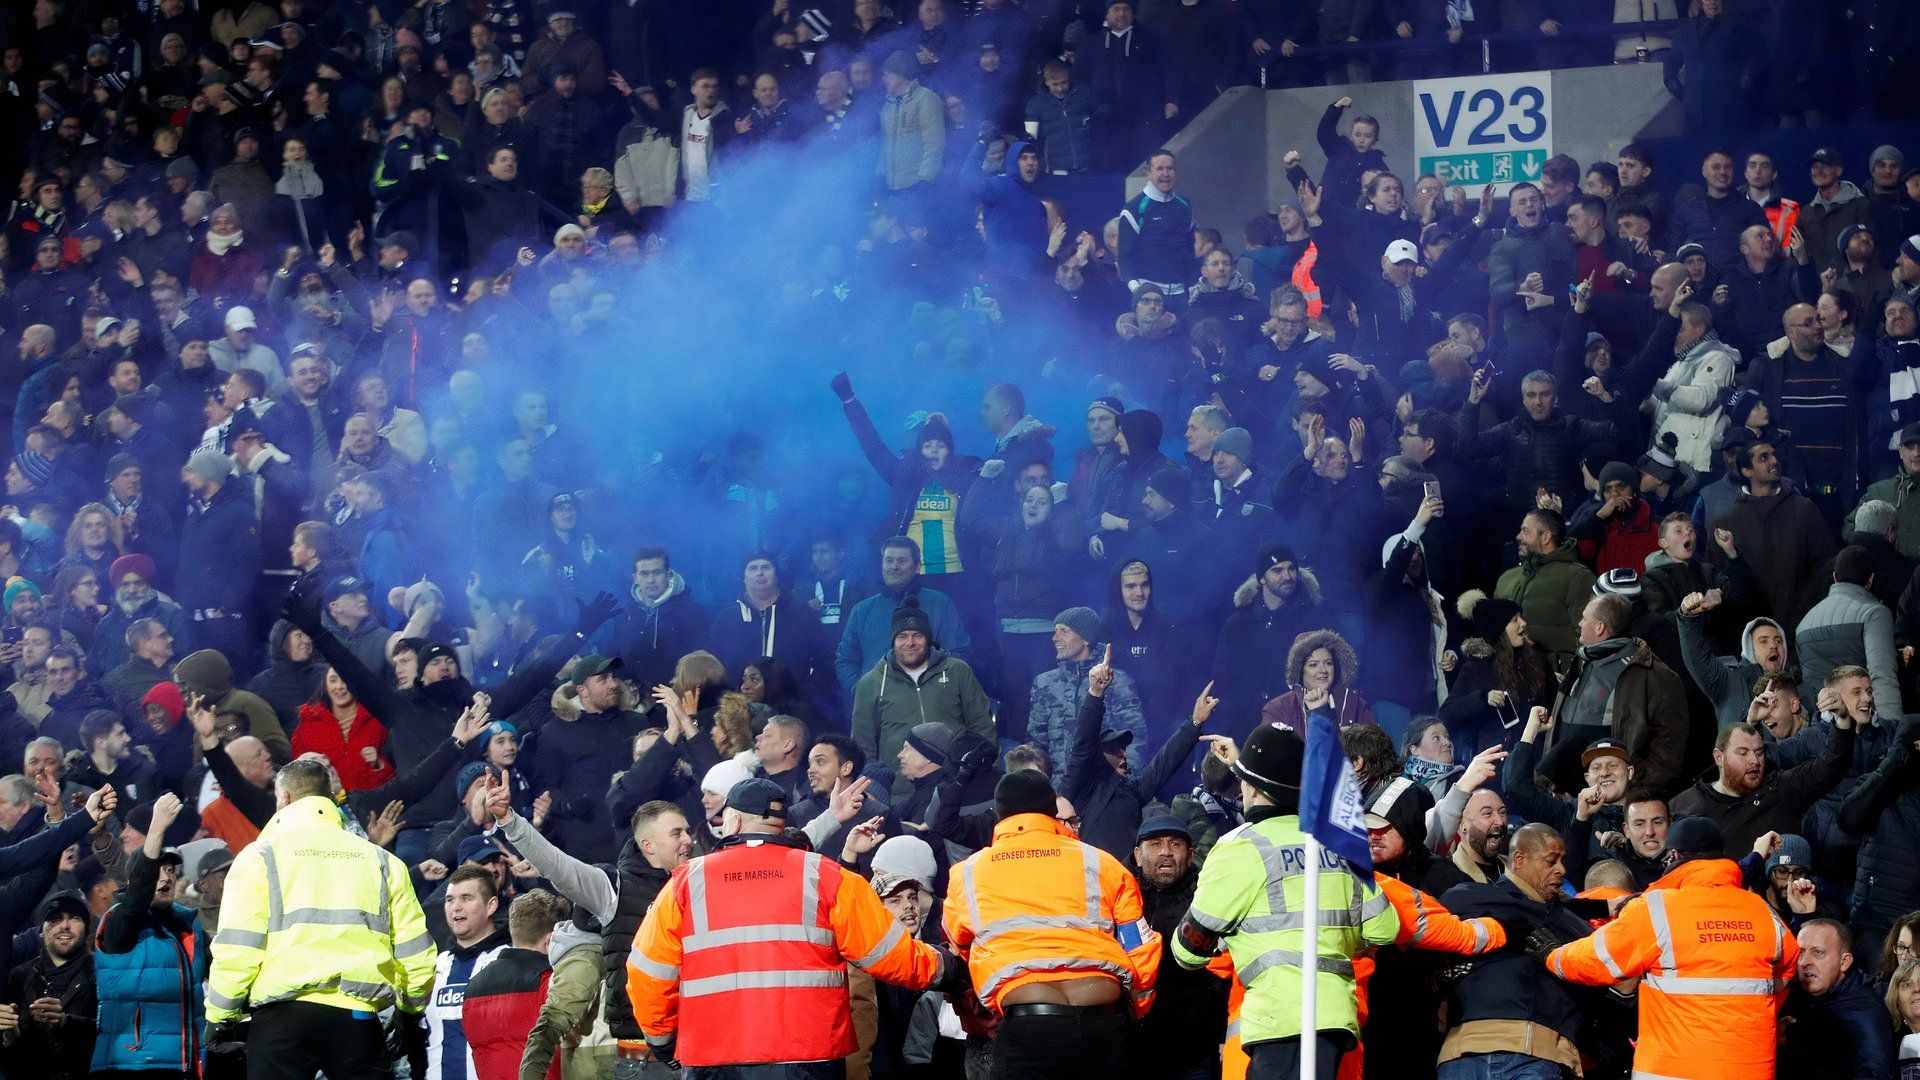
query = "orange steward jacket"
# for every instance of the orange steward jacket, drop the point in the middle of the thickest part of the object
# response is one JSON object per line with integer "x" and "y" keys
{"x": 1039, "y": 905}
{"x": 1715, "y": 964}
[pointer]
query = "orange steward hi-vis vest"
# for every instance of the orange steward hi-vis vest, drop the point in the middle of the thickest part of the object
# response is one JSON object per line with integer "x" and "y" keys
{"x": 1715, "y": 964}
{"x": 744, "y": 956}
{"x": 1039, "y": 905}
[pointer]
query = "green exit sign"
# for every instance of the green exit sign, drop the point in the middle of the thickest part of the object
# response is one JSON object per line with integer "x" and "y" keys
{"x": 1499, "y": 167}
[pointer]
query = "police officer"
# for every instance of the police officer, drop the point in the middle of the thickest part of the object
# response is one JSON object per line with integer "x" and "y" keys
{"x": 319, "y": 931}
{"x": 1713, "y": 961}
{"x": 1234, "y": 908}
{"x": 740, "y": 967}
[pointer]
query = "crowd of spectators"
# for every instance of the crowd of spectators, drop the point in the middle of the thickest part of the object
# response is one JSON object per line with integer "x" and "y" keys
{"x": 442, "y": 392}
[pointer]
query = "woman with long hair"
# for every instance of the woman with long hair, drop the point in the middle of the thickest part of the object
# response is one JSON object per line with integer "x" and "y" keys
{"x": 339, "y": 728}
{"x": 1501, "y": 676}
{"x": 94, "y": 539}
{"x": 75, "y": 600}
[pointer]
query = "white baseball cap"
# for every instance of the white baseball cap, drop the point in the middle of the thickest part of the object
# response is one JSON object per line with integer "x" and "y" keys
{"x": 1402, "y": 251}
{"x": 241, "y": 318}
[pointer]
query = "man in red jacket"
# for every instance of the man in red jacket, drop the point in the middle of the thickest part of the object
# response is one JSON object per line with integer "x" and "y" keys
{"x": 503, "y": 1000}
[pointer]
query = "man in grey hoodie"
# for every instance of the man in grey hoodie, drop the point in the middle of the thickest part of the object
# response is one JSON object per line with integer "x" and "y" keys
{"x": 1726, "y": 680}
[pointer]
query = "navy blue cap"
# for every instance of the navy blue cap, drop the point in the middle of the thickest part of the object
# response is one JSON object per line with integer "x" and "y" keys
{"x": 759, "y": 797}
{"x": 1162, "y": 825}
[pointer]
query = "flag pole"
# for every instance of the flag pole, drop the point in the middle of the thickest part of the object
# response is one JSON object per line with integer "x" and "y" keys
{"x": 1310, "y": 964}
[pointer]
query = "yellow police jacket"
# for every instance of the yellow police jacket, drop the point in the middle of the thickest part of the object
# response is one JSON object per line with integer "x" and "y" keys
{"x": 314, "y": 913}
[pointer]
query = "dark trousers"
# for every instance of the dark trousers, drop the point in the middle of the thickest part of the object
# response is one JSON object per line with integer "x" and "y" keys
{"x": 296, "y": 1039}
{"x": 1279, "y": 1059}
{"x": 1050, "y": 1047}
{"x": 788, "y": 1070}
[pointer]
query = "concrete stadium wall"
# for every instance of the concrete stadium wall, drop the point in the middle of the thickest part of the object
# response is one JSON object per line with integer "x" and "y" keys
{"x": 1230, "y": 155}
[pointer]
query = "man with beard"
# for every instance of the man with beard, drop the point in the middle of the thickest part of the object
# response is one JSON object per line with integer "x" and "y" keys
{"x": 1748, "y": 797}
{"x": 659, "y": 840}
{"x": 48, "y": 1018}
{"x": 1274, "y": 607}
{"x": 1183, "y": 1032}
{"x": 1481, "y": 851}
{"x": 1410, "y": 876}
{"x": 135, "y": 598}
{"x": 569, "y": 759}
{"x": 915, "y": 686}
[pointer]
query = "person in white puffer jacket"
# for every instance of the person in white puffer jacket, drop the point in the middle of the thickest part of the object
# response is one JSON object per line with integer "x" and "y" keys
{"x": 1686, "y": 401}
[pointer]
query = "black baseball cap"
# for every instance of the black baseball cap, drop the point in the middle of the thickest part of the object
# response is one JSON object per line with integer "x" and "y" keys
{"x": 759, "y": 797}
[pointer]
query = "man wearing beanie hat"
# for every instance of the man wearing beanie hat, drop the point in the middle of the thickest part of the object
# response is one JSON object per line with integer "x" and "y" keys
{"x": 868, "y": 629}
{"x": 1615, "y": 529}
{"x": 1750, "y": 957}
{"x": 219, "y": 557}
{"x": 712, "y": 985}
{"x": 1059, "y": 693}
{"x": 1174, "y": 535}
{"x": 1055, "y": 934}
{"x": 1092, "y": 462}
{"x": 1276, "y": 605}
{"x": 915, "y": 685}
{"x": 912, "y": 126}
{"x": 1235, "y": 908}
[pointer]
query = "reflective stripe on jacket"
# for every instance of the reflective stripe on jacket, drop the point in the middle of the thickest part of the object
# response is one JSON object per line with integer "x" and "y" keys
{"x": 743, "y": 957}
{"x": 1039, "y": 905}
{"x": 1252, "y": 895}
{"x": 1715, "y": 964}
{"x": 314, "y": 913}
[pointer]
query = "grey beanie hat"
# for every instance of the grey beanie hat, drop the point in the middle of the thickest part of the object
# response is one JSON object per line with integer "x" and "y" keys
{"x": 211, "y": 464}
{"x": 1082, "y": 621}
{"x": 1236, "y": 441}
{"x": 903, "y": 64}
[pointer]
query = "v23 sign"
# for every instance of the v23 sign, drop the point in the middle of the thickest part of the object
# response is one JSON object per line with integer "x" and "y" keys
{"x": 1484, "y": 128}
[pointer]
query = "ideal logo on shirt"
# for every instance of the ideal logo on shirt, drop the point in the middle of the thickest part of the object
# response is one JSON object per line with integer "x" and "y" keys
{"x": 450, "y": 997}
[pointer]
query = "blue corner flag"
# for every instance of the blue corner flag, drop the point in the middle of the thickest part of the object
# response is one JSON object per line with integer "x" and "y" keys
{"x": 1331, "y": 810}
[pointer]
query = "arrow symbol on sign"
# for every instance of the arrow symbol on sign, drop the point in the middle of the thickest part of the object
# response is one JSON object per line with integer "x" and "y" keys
{"x": 1530, "y": 166}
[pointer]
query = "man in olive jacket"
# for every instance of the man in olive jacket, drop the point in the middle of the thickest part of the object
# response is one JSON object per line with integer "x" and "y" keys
{"x": 913, "y": 684}
{"x": 1551, "y": 584}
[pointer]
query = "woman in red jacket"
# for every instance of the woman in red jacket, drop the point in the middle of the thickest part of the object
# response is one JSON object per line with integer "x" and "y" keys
{"x": 337, "y": 726}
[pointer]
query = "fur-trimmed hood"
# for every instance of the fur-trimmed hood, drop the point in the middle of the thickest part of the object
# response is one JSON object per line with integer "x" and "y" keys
{"x": 1346, "y": 663}
{"x": 565, "y": 701}
{"x": 1249, "y": 590}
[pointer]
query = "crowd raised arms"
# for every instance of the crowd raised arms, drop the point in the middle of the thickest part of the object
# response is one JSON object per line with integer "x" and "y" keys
{"x": 541, "y": 538}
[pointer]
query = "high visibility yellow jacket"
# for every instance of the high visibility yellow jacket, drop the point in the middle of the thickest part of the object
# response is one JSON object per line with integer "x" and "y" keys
{"x": 1040, "y": 905}
{"x": 1253, "y": 903}
{"x": 314, "y": 913}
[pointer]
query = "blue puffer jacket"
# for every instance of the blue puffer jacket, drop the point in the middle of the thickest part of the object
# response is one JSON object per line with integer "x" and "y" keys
{"x": 150, "y": 1002}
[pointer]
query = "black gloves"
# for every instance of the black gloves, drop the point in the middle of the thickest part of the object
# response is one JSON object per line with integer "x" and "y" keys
{"x": 974, "y": 762}
{"x": 954, "y": 977}
{"x": 1541, "y": 942}
{"x": 302, "y": 606}
{"x": 842, "y": 387}
{"x": 227, "y": 1037}
{"x": 594, "y": 613}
